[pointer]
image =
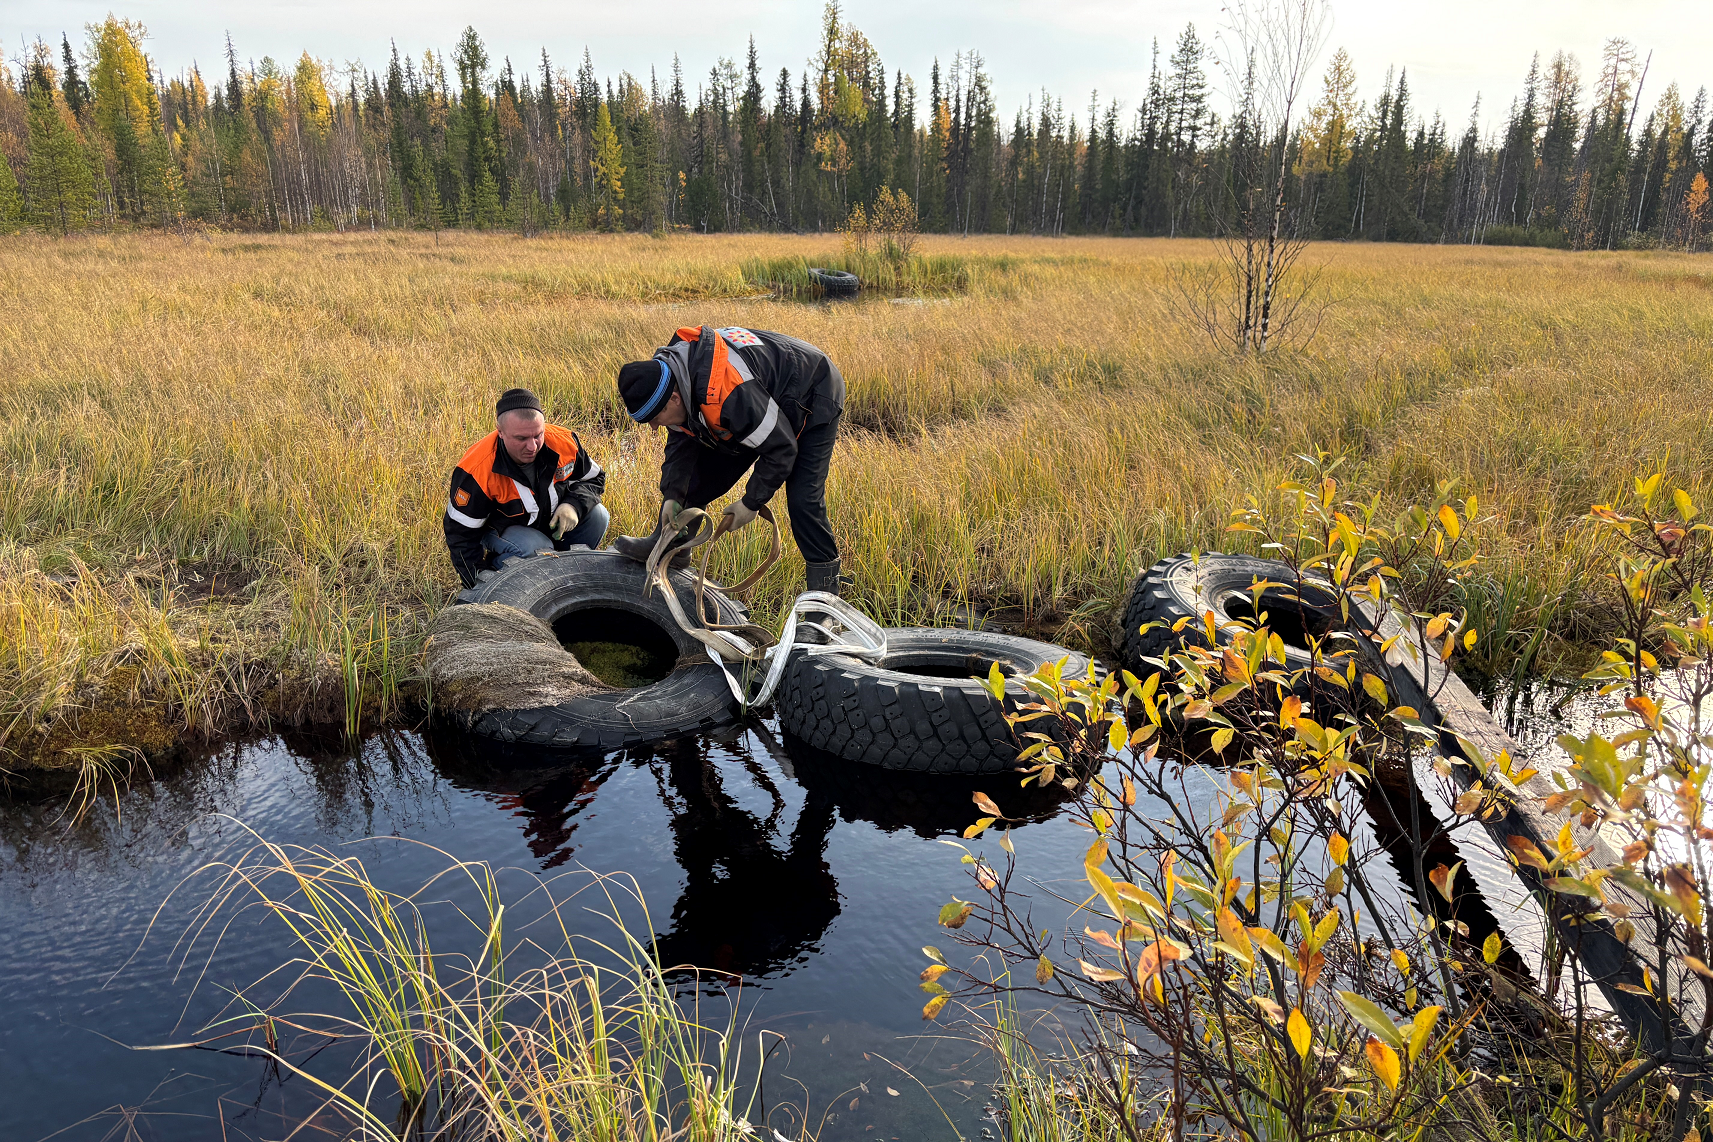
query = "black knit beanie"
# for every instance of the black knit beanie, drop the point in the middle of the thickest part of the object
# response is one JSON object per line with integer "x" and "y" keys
{"x": 513, "y": 399}
{"x": 643, "y": 389}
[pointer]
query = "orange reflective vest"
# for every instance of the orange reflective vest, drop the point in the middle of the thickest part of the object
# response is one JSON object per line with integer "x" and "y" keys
{"x": 489, "y": 491}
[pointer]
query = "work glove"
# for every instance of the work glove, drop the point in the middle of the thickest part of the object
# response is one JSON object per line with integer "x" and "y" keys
{"x": 485, "y": 574}
{"x": 741, "y": 514}
{"x": 565, "y": 520}
{"x": 669, "y": 512}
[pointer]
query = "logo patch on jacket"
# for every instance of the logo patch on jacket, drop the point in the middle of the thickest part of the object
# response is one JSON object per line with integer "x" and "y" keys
{"x": 462, "y": 498}
{"x": 564, "y": 472}
{"x": 739, "y": 336}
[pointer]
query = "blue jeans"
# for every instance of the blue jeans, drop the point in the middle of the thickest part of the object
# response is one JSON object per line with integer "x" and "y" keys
{"x": 518, "y": 541}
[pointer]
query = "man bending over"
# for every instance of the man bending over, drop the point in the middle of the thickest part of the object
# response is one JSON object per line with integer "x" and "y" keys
{"x": 731, "y": 400}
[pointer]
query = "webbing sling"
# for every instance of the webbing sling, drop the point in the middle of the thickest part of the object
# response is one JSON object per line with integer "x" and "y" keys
{"x": 751, "y": 645}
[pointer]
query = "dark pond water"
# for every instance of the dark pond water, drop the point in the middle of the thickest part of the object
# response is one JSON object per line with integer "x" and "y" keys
{"x": 818, "y": 883}
{"x": 814, "y": 880}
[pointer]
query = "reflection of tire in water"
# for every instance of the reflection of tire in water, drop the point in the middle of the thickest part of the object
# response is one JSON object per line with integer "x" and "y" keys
{"x": 753, "y": 903}
{"x": 930, "y": 805}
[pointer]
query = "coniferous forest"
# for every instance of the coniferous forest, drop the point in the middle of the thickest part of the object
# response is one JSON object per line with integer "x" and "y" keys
{"x": 93, "y": 135}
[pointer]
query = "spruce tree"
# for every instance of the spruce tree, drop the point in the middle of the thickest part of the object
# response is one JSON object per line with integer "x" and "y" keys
{"x": 877, "y": 137}
{"x": 485, "y": 210}
{"x": 476, "y": 123}
{"x": 426, "y": 190}
{"x": 11, "y": 200}
{"x": 904, "y": 134}
{"x": 61, "y": 191}
{"x": 750, "y": 136}
{"x": 808, "y": 203}
{"x": 272, "y": 147}
{"x": 646, "y": 192}
{"x": 71, "y": 82}
{"x": 781, "y": 164}
{"x": 930, "y": 191}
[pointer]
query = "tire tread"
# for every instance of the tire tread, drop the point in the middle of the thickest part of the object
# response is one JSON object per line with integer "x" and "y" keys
{"x": 902, "y": 721}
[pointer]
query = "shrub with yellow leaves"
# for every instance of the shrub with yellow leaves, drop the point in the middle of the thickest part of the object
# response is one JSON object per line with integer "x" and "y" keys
{"x": 1237, "y": 934}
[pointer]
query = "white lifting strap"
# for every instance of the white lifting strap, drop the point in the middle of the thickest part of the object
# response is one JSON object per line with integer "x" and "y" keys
{"x": 749, "y": 645}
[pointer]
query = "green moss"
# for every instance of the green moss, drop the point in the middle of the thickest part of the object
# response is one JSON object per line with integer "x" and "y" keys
{"x": 619, "y": 664}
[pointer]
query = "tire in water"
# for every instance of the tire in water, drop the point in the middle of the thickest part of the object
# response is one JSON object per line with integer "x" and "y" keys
{"x": 835, "y": 283}
{"x": 919, "y": 708}
{"x": 605, "y": 586}
{"x": 1180, "y": 587}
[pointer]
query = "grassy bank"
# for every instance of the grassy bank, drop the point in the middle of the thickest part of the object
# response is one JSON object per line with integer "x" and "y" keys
{"x": 227, "y": 457}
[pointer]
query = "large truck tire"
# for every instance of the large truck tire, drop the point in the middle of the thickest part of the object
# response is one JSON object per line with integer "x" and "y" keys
{"x": 607, "y": 589}
{"x": 1180, "y": 587}
{"x": 835, "y": 283}
{"x": 919, "y": 708}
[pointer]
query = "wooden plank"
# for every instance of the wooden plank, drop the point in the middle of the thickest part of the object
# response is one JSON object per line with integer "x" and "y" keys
{"x": 1449, "y": 706}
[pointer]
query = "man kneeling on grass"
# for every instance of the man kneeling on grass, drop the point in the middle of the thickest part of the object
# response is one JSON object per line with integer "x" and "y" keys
{"x": 526, "y": 487}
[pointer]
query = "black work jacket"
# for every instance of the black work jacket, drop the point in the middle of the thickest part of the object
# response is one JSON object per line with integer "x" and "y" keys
{"x": 490, "y": 493}
{"x": 747, "y": 392}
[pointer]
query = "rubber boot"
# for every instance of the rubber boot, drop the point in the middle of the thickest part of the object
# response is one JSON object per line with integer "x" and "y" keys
{"x": 640, "y": 548}
{"x": 822, "y": 577}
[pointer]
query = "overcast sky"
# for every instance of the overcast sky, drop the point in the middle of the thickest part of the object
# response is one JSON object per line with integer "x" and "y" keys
{"x": 1453, "y": 49}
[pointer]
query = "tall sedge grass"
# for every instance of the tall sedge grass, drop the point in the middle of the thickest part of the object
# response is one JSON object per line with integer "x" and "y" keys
{"x": 1063, "y": 1097}
{"x": 466, "y": 1043}
{"x": 277, "y": 416}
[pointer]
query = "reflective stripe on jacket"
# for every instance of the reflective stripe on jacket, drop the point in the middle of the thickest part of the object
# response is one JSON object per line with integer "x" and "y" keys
{"x": 489, "y": 492}
{"x": 749, "y": 391}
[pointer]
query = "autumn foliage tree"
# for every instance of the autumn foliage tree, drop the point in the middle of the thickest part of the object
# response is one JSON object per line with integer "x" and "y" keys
{"x": 460, "y": 139}
{"x": 1235, "y": 961}
{"x": 1695, "y": 211}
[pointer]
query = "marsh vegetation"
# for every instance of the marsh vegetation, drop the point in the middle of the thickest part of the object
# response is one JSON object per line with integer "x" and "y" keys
{"x": 227, "y": 457}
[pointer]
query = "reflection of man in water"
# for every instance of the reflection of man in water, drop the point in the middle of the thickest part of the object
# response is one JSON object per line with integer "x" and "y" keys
{"x": 748, "y": 907}
{"x": 545, "y": 792}
{"x": 550, "y": 812}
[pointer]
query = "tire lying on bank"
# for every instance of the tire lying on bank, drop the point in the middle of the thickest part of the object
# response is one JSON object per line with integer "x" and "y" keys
{"x": 918, "y": 708}
{"x": 499, "y": 668}
{"x": 1180, "y": 587}
{"x": 835, "y": 283}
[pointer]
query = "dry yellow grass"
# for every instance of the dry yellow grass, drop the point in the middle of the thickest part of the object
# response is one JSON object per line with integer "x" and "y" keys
{"x": 226, "y": 458}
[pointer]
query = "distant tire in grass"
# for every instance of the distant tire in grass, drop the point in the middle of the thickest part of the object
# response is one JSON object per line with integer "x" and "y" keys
{"x": 1179, "y": 587}
{"x": 598, "y": 596}
{"x": 834, "y": 283}
{"x": 919, "y": 708}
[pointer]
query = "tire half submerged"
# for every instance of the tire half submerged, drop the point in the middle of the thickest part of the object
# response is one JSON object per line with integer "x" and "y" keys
{"x": 835, "y": 282}
{"x": 693, "y": 696}
{"x": 919, "y": 708}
